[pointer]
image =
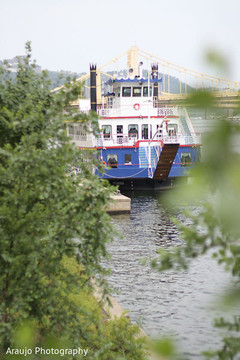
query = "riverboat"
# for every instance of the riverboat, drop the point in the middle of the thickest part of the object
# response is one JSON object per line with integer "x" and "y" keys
{"x": 142, "y": 143}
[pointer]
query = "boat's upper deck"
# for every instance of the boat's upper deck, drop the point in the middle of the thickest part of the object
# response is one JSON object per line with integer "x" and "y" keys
{"x": 131, "y": 112}
{"x": 131, "y": 97}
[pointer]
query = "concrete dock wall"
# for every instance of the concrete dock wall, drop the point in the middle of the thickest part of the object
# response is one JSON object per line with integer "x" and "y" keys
{"x": 119, "y": 204}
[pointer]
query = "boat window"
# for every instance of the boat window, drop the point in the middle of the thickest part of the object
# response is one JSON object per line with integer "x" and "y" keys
{"x": 112, "y": 160}
{"x": 119, "y": 134}
{"x": 119, "y": 129}
{"x": 126, "y": 91}
{"x": 110, "y": 102}
{"x": 145, "y": 131}
{"x": 159, "y": 131}
{"x": 186, "y": 159}
{"x": 145, "y": 91}
{"x": 172, "y": 129}
{"x": 128, "y": 159}
{"x": 145, "y": 134}
{"x": 107, "y": 131}
{"x": 133, "y": 130}
{"x": 137, "y": 91}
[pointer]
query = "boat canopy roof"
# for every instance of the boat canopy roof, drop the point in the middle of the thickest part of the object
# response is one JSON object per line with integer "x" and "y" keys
{"x": 136, "y": 80}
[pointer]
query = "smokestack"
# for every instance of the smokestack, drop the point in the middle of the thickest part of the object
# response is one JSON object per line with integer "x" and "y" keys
{"x": 155, "y": 76}
{"x": 154, "y": 71}
{"x": 93, "y": 87}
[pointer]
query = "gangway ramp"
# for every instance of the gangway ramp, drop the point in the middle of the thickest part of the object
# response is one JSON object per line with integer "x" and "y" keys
{"x": 165, "y": 161}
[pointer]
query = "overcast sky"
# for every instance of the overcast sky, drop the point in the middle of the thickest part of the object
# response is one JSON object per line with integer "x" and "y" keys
{"x": 69, "y": 34}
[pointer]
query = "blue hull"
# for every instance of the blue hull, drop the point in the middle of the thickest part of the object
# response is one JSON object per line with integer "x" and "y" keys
{"x": 138, "y": 171}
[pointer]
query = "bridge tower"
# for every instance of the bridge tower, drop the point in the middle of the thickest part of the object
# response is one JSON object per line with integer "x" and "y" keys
{"x": 132, "y": 60}
{"x": 99, "y": 87}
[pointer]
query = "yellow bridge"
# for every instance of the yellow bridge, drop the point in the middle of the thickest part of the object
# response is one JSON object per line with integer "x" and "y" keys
{"x": 225, "y": 92}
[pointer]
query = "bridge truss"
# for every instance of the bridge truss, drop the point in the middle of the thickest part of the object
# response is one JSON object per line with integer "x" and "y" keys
{"x": 225, "y": 91}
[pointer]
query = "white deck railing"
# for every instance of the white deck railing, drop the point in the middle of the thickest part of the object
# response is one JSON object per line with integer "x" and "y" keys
{"x": 127, "y": 108}
{"x": 115, "y": 140}
{"x": 88, "y": 140}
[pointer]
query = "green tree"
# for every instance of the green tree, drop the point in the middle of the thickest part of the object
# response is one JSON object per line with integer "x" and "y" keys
{"x": 49, "y": 216}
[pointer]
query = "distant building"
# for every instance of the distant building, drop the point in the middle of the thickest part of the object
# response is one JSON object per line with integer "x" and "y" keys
{"x": 12, "y": 64}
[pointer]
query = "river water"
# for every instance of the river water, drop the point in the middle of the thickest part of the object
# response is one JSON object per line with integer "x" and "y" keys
{"x": 179, "y": 304}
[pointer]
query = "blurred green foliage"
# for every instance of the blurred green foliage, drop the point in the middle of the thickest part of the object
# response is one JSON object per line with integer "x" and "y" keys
{"x": 215, "y": 192}
{"x": 164, "y": 349}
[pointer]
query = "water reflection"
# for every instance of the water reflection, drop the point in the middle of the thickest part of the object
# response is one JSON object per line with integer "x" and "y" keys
{"x": 170, "y": 303}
